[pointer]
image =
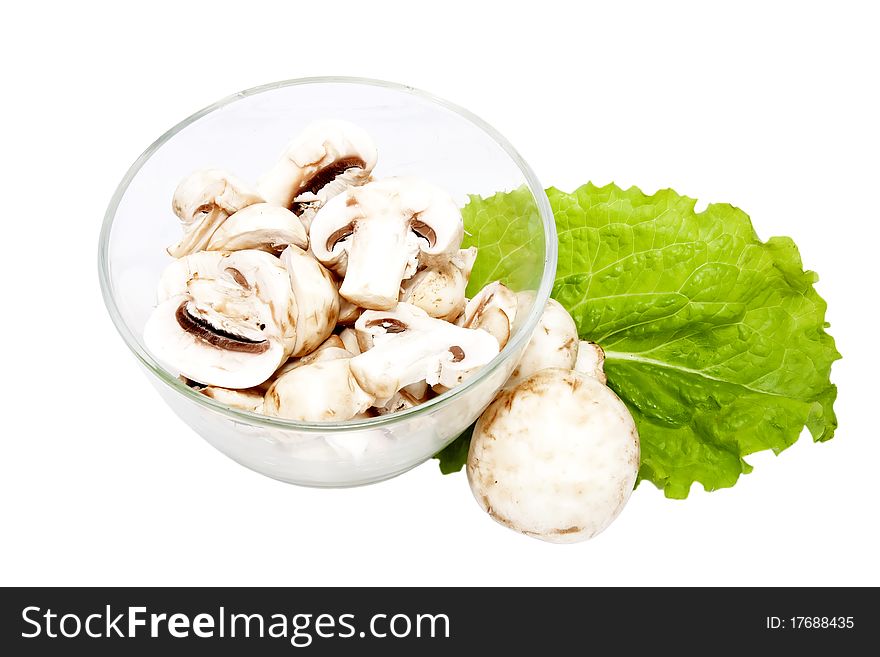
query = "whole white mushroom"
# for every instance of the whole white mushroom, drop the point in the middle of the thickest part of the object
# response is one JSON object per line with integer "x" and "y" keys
{"x": 554, "y": 457}
{"x": 554, "y": 342}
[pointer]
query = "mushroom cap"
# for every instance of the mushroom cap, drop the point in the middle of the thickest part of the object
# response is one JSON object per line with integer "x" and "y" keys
{"x": 313, "y": 160}
{"x": 373, "y": 236}
{"x": 259, "y": 226}
{"x": 331, "y": 349}
{"x": 320, "y": 391}
{"x": 492, "y": 309}
{"x": 439, "y": 287}
{"x": 202, "y": 201}
{"x": 409, "y": 347}
{"x": 555, "y": 457}
{"x": 317, "y": 301}
{"x": 332, "y": 341}
{"x": 554, "y": 342}
{"x": 320, "y": 354}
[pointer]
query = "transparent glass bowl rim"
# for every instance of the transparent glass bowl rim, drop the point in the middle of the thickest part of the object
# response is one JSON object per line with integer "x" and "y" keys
{"x": 250, "y": 418}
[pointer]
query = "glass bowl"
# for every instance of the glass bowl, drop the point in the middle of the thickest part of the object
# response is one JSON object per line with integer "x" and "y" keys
{"x": 417, "y": 134}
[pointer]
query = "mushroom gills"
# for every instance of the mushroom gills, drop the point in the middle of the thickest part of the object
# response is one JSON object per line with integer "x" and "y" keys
{"x": 223, "y": 319}
{"x": 410, "y": 347}
{"x": 203, "y": 201}
{"x": 307, "y": 194}
{"x": 326, "y": 158}
{"x": 195, "y": 348}
{"x": 202, "y": 329}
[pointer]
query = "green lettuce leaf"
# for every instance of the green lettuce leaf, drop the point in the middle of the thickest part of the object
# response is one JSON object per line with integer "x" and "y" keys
{"x": 509, "y": 251}
{"x": 714, "y": 339}
{"x": 453, "y": 457}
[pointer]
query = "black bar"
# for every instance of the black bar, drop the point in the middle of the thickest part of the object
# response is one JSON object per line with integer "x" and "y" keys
{"x": 677, "y": 620}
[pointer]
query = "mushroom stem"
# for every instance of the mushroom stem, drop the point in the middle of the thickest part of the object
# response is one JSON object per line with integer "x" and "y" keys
{"x": 591, "y": 360}
{"x": 374, "y": 282}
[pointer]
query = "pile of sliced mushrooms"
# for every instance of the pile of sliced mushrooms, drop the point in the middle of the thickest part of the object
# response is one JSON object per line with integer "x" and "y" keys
{"x": 324, "y": 294}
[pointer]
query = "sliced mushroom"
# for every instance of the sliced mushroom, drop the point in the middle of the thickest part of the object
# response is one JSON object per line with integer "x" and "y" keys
{"x": 253, "y": 275}
{"x": 373, "y": 236}
{"x": 407, "y": 397}
{"x": 348, "y": 312}
{"x": 246, "y": 400}
{"x": 317, "y": 302}
{"x": 260, "y": 226}
{"x": 320, "y": 391}
{"x": 439, "y": 287}
{"x": 228, "y": 326}
{"x": 203, "y": 200}
{"x": 410, "y": 346}
{"x": 320, "y": 355}
{"x": 400, "y": 401}
{"x": 349, "y": 339}
{"x": 364, "y": 339}
{"x": 330, "y": 344}
{"x": 232, "y": 280}
{"x": 180, "y": 337}
{"x": 329, "y": 349}
{"x": 492, "y": 309}
{"x": 324, "y": 160}
{"x": 554, "y": 342}
{"x": 333, "y": 342}
{"x": 418, "y": 391}
{"x": 177, "y": 275}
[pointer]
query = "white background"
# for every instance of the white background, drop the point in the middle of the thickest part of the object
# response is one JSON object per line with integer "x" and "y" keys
{"x": 772, "y": 107}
